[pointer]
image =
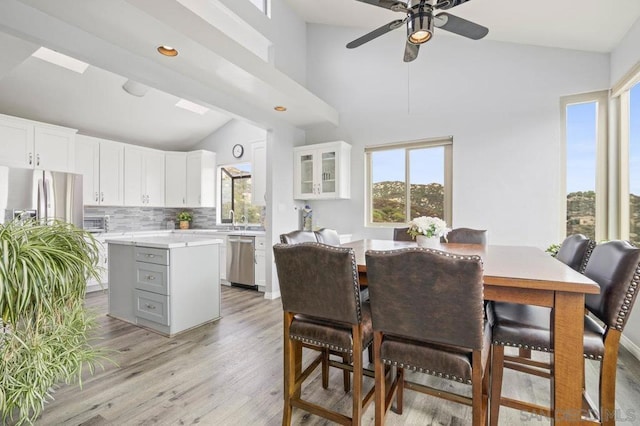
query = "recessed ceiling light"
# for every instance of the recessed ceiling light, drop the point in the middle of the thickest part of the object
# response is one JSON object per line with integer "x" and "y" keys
{"x": 190, "y": 106}
{"x": 167, "y": 51}
{"x": 61, "y": 60}
{"x": 280, "y": 108}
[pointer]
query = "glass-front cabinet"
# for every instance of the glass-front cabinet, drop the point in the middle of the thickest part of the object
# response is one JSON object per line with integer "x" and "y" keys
{"x": 322, "y": 171}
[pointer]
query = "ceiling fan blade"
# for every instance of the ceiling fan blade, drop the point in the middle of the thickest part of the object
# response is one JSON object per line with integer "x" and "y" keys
{"x": 411, "y": 51}
{"x": 395, "y": 5}
{"x": 460, "y": 26}
{"x": 376, "y": 33}
{"x": 447, "y": 4}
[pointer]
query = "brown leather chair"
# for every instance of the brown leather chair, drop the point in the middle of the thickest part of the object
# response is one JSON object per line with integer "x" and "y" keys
{"x": 575, "y": 251}
{"x": 466, "y": 236}
{"x": 615, "y": 266}
{"x": 296, "y": 237}
{"x": 428, "y": 316}
{"x": 322, "y": 309}
{"x": 328, "y": 236}
{"x": 400, "y": 234}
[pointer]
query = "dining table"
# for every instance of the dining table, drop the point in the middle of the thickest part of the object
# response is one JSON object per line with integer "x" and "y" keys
{"x": 527, "y": 275}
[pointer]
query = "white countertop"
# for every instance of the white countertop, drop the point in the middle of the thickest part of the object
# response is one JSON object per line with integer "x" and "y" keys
{"x": 162, "y": 232}
{"x": 165, "y": 240}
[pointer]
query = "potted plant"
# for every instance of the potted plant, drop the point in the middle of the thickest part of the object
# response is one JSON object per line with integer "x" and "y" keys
{"x": 44, "y": 326}
{"x": 427, "y": 230}
{"x": 184, "y": 218}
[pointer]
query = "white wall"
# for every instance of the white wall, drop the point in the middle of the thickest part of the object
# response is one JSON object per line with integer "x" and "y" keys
{"x": 499, "y": 101}
{"x": 222, "y": 141}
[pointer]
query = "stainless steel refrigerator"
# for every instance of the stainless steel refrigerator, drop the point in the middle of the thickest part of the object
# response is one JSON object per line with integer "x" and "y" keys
{"x": 40, "y": 194}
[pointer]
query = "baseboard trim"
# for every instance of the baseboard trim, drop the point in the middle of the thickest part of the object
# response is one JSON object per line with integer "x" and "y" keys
{"x": 272, "y": 295}
{"x": 630, "y": 346}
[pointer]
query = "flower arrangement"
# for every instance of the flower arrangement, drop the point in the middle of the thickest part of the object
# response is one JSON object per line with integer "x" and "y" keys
{"x": 430, "y": 227}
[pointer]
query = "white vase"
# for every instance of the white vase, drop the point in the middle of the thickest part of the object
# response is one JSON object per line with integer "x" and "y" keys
{"x": 424, "y": 241}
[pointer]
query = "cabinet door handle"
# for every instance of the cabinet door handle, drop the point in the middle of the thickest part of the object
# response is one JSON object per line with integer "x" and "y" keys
{"x": 151, "y": 255}
{"x": 150, "y": 277}
{"x": 37, "y": 159}
{"x": 149, "y": 306}
{"x": 102, "y": 196}
{"x": 184, "y": 201}
{"x": 30, "y": 158}
{"x": 96, "y": 197}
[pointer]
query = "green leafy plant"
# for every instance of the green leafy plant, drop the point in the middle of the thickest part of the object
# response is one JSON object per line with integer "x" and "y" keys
{"x": 44, "y": 328}
{"x": 553, "y": 249}
{"x": 182, "y": 216}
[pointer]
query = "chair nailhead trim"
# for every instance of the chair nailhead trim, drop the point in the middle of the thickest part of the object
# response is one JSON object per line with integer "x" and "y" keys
{"x": 539, "y": 348}
{"x": 626, "y": 303}
{"x": 426, "y": 371}
{"x": 587, "y": 254}
{"x": 322, "y": 344}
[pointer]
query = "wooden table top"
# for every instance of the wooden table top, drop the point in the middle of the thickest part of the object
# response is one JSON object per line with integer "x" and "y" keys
{"x": 506, "y": 266}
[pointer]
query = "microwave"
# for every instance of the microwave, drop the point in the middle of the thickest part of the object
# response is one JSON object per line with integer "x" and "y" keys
{"x": 96, "y": 224}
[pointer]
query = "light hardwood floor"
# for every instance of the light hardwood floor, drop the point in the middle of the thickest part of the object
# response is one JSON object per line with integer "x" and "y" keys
{"x": 230, "y": 373}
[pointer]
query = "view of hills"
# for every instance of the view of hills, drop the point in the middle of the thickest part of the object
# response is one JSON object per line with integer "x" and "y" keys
{"x": 389, "y": 200}
{"x": 428, "y": 200}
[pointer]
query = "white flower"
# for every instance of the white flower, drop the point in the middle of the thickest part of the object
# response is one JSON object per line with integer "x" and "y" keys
{"x": 427, "y": 226}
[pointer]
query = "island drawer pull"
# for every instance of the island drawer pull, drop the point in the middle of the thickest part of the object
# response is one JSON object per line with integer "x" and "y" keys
{"x": 149, "y": 306}
{"x": 151, "y": 277}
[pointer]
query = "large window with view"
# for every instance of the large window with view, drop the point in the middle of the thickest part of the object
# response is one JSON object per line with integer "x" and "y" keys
{"x": 235, "y": 195}
{"x": 634, "y": 164}
{"x": 584, "y": 138}
{"x": 408, "y": 180}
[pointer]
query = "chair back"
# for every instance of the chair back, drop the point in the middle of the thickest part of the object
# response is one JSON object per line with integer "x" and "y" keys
{"x": 427, "y": 295}
{"x": 328, "y": 236}
{"x": 615, "y": 266}
{"x": 319, "y": 280}
{"x": 400, "y": 234}
{"x": 295, "y": 237}
{"x": 575, "y": 251}
{"x": 467, "y": 236}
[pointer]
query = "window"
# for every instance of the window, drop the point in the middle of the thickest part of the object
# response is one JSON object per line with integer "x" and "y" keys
{"x": 263, "y": 5}
{"x": 407, "y": 180}
{"x": 584, "y": 118}
{"x": 634, "y": 165}
{"x": 235, "y": 194}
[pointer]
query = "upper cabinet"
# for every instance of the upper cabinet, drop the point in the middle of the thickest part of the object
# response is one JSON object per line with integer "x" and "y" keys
{"x": 175, "y": 169}
{"x": 201, "y": 179}
{"x": 101, "y": 162}
{"x": 144, "y": 177}
{"x": 30, "y": 144}
{"x": 322, "y": 171}
{"x": 259, "y": 173}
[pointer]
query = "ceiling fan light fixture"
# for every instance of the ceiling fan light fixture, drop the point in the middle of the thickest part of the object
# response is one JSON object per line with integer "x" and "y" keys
{"x": 420, "y": 27}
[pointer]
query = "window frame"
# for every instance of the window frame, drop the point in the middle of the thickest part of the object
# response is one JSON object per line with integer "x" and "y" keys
{"x": 601, "y": 188}
{"x": 445, "y": 142}
{"x": 233, "y": 183}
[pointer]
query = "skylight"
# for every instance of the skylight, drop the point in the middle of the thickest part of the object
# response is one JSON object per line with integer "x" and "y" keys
{"x": 190, "y": 106}
{"x": 61, "y": 60}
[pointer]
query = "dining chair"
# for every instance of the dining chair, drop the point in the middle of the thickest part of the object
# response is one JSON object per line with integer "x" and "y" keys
{"x": 466, "y": 236}
{"x": 328, "y": 236}
{"x": 400, "y": 234}
{"x": 322, "y": 309}
{"x": 615, "y": 266}
{"x": 428, "y": 316}
{"x": 295, "y": 237}
{"x": 575, "y": 251}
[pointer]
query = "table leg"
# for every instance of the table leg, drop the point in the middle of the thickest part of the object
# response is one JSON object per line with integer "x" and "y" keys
{"x": 566, "y": 383}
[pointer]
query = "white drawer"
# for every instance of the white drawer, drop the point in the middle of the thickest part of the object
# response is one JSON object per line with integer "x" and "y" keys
{"x": 152, "y": 255}
{"x": 152, "y": 277}
{"x": 151, "y": 306}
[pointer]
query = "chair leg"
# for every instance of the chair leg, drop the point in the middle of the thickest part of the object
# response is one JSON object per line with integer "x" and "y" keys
{"x": 477, "y": 396}
{"x": 608, "y": 378}
{"x": 346, "y": 375}
{"x": 497, "y": 369}
{"x": 325, "y": 368}
{"x": 289, "y": 370}
{"x": 379, "y": 370}
{"x": 400, "y": 391}
{"x": 486, "y": 375}
{"x": 356, "y": 412}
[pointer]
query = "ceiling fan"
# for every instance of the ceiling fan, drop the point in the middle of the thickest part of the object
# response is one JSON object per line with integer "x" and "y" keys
{"x": 420, "y": 22}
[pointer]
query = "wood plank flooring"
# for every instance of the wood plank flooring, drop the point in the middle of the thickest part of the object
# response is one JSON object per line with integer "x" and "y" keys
{"x": 230, "y": 373}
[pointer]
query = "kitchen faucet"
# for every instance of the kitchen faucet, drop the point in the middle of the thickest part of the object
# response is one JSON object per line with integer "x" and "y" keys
{"x": 233, "y": 220}
{"x": 245, "y": 222}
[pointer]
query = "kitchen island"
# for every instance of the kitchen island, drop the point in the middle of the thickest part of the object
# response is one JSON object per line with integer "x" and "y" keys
{"x": 168, "y": 283}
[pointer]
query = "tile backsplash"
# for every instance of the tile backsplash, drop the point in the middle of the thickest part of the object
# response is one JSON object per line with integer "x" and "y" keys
{"x": 127, "y": 219}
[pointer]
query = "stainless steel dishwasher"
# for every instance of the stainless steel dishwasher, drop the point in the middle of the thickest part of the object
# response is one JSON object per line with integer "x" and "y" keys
{"x": 241, "y": 263}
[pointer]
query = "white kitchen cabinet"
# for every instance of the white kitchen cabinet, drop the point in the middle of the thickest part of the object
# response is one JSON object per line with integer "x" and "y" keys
{"x": 31, "y": 144}
{"x": 175, "y": 179}
{"x": 144, "y": 182}
{"x": 101, "y": 162}
{"x": 223, "y": 260}
{"x": 259, "y": 173}
{"x": 322, "y": 171}
{"x": 201, "y": 179}
{"x": 260, "y": 270}
{"x": 103, "y": 267}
